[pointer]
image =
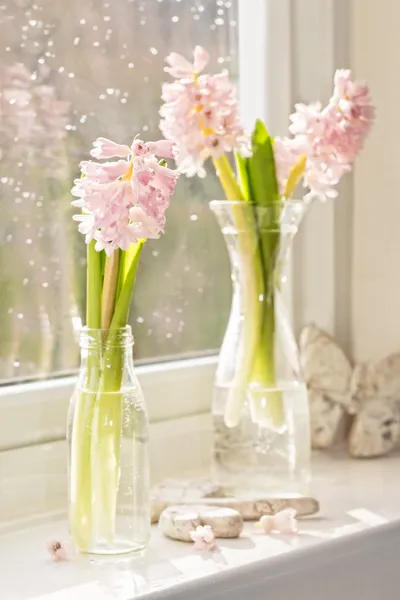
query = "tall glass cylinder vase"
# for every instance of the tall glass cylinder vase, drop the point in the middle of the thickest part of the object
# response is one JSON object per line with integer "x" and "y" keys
{"x": 260, "y": 405}
{"x": 109, "y": 506}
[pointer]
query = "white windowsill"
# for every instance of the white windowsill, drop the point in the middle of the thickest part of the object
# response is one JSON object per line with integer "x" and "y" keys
{"x": 33, "y": 413}
{"x": 350, "y": 551}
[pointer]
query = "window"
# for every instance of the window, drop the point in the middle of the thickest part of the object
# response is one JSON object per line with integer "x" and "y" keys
{"x": 67, "y": 76}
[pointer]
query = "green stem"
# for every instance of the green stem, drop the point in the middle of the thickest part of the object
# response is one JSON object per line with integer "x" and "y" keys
{"x": 110, "y": 284}
{"x": 268, "y": 406}
{"x": 252, "y": 293}
{"x": 81, "y": 521}
{"x": 107, "y": 423}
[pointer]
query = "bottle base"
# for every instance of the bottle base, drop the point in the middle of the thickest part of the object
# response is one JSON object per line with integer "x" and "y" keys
{"x": 117, "y": 548}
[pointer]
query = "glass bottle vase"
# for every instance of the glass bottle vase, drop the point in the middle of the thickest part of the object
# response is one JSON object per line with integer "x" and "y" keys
{"x": 107, "y": 432}
{"x": 261, "y": 432}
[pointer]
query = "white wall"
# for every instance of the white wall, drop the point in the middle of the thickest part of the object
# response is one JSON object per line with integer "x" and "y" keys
{"x": 322, "y": 261}
{"x": 375, "y": 52}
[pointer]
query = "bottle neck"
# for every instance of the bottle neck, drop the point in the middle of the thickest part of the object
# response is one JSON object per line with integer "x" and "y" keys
{"x": 106, "y": 359}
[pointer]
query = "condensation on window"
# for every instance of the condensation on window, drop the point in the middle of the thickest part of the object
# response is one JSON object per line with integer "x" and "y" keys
{"x": 69, "y": 73}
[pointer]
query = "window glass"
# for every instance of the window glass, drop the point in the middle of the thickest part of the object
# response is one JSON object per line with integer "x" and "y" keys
{"x": 70, "y": 72}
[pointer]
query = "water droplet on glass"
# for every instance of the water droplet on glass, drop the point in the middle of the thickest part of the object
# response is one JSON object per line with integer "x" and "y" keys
{"x": 76, "y": 41}
{"x": 20, "y": 316}
{"x": 82, "y": 21}
{"x": 28, "y": 241}
{"x": 16, "y": 363}
{"x": 131, "y": 65}
{"x": 25, "y": 281}
{"x": 219, "y": 21}
{"x": 175, "y": 19}
{"x": 110, "y": 91}
{"x": 194, "y": 217}
{"x": 140, "y": 320}
{"x": 45, "y": 284}
{"x": 153, "y": 51}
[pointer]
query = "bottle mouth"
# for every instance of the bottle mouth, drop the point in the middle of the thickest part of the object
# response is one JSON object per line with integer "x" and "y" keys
{"x": 106, "y": 338}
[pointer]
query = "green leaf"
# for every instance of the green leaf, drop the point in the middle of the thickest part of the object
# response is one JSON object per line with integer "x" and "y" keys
{"x": 261, "y": 167}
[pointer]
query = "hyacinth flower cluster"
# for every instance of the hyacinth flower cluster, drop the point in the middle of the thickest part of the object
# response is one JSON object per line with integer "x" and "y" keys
{"x": 123, "y": 203}
{"x": 330, "y": 138}
{"x": 200, "y": 115}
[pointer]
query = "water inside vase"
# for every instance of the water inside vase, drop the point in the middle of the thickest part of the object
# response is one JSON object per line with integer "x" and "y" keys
{"x": 249, "y": 460}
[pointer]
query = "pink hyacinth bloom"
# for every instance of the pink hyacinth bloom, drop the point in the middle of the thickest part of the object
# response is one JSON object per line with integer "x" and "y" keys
{"x": 104, "y": 148}
{"x": 330, "y": 138}
{"x": 203, "y": 538}
{"x": 180, "y": 67}
{"x": 282, "y": 522}
{"x": 124, "y": 201}
{"x": 60, "y": 551}
{"x": 200, "y": 113}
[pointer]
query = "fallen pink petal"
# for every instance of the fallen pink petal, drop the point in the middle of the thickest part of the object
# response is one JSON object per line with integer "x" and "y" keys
{"x": 203, "y": 538}
{"x": 282, "y": 522}
{"x": 60, "y": 550}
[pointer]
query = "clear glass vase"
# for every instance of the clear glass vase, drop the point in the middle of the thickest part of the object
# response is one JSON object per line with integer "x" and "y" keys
{"x": 109, "y": 506}
{"x": 260, "y": 405}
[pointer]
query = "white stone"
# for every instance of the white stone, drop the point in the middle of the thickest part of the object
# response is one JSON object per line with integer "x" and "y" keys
{"x": 370, "y": 392}
{"x": 177, "y": 522}
{"x": 327, "y": 372}
{"x": 181, "y": 491}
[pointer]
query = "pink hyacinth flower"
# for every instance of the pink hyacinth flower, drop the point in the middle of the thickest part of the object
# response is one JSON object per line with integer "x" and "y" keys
{"x": 283, "y": 522}
{"x": 180, "y": 67}
{"x": 104, "y": 148}
{"x": 331, "y": 138}
{"x": 203, "y": 538}
{"x": 60, "y": 551}
{"x": 200, "y": 113}
{"x": 111, "y": 191}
